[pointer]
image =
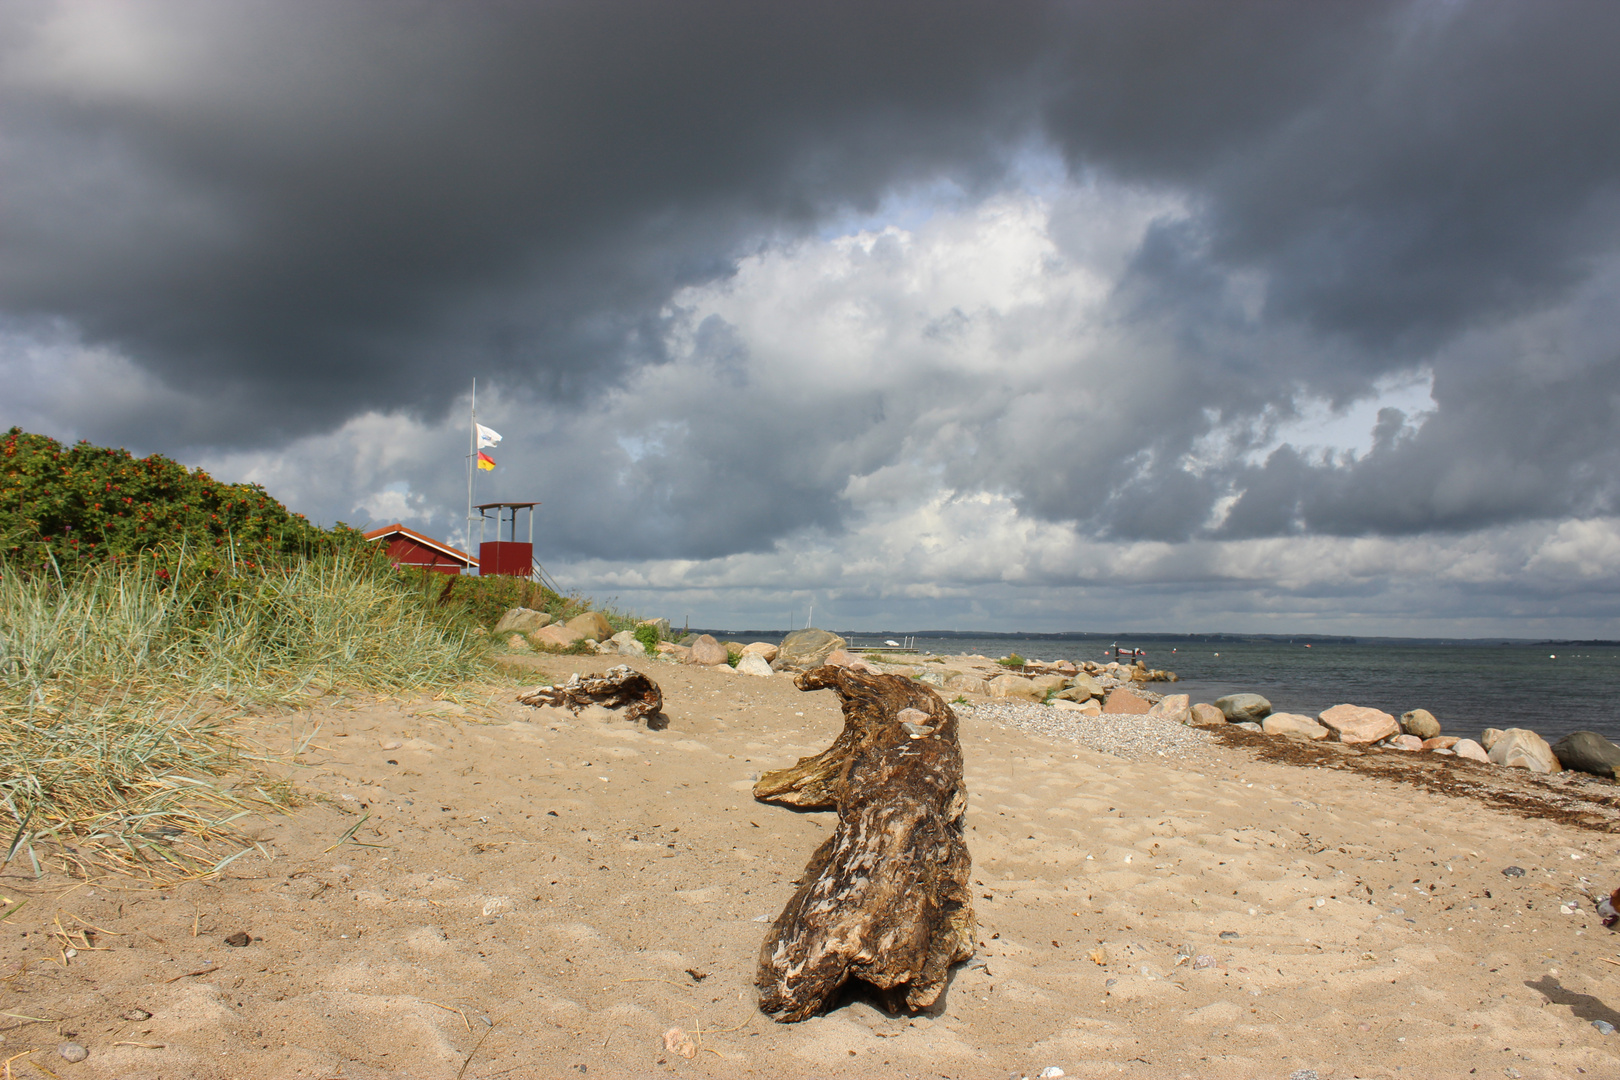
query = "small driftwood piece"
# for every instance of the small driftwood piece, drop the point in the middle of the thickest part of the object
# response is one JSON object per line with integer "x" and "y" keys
{"x": 885, "y": 899}
{"x": 618, "y": 687}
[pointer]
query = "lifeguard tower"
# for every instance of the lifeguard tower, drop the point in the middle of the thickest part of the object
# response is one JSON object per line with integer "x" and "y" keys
{"x": 512, "y": 557}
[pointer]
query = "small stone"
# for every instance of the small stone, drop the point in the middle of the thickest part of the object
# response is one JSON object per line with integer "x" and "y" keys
{"x": 136, "y": 1015}
{"x": 72, "y": 1051}
{"x": 1229, "y": 935}
{"x": 1513, "y": 871}
{"x": 1201, "y": 963}
{"x": 1304, "y": 1074}
{"x": 1405, "y": 742}
{"x": 1249, "y": 725}
{"x": 239, "y": 940}
{"x": 1604, "y": 1026}
{"x": 1109, "y": 984}
{"x": 1052, "y": 1072}
{"x": 392, "y": 744}
{"x": 679, "y": 1042}
{"x": 1511, "y": 1073}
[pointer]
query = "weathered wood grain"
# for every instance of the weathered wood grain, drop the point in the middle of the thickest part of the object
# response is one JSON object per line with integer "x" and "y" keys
{"x": 618, "y": 687}
{"x": 885, "y": 899}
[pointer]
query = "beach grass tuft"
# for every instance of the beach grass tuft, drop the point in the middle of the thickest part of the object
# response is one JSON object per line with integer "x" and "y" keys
{"x": 121, "y": 693}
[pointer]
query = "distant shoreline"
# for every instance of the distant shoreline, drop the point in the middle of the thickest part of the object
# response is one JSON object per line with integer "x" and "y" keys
{"x": 1213, "y": 638}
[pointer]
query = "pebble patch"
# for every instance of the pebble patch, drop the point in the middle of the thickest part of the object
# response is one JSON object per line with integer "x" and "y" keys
{"x": 1123, "y": 735}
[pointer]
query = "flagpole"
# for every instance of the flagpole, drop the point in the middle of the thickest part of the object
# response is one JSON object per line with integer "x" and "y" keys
{"x": 472, "y": 459}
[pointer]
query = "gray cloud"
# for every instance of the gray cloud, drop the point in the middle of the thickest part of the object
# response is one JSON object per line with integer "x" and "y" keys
{"x": 263, "y": 222}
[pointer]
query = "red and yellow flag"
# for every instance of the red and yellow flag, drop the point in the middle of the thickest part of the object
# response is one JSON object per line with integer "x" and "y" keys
{"x": 485, "y": 461}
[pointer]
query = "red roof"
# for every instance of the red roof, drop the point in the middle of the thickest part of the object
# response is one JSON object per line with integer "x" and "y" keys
{"x": 397, "y": 531}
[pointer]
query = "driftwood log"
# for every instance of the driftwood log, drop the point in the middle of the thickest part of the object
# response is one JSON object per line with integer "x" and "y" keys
{"x": 618, "y": 687}
{"x": 885, "y": 899}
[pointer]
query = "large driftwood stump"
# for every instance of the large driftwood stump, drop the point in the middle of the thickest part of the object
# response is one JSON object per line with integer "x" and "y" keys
{"x": 885, "y": 899}
{"x": 618, "y": 687}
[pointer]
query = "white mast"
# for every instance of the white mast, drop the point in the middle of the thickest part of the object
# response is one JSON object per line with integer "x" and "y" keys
{"x": 472, "y": 461}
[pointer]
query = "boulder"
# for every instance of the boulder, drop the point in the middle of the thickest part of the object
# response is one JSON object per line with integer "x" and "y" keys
{"x": 1206, "y": 715}
{"x": 1249, "y": 725}
{"x": 522, "y": 620}
{"x": 967, "y": 684}
{"x": 754, "y": 664}
{"x": 1588, "y": 752}
{"x": 1048, "y": 683}
{"x": 1176, "y": 708}
{"x": 1297, "y": 724}
{"x": 1420, "y": 722}
{"x": 708, "y": 652}
{"x": 1124, "y": 703}
{"x": 591, "y": 624}
{"x": 1488, "y": 737}
{"x": 845, "y": 658}
{"x": 1358, "y": 724}
{"x": 1016, "y": 686}
{"x": 678, "y": 653}
{"x": 1468, "y": 748}
{"x": 805, "y": 649}
{"x": 1441, "y": 742}
{"x": 555, "y": 636}
{"x": 1522, "y": 748}
{"x": 661, "y": 625}
{"x": 936, "y": 679}
{"x": 517, "y": 643}
{"x": 625, "y": 644}
{"x": 762, "y": 649}
{"x": 1405, "y": 742}
{"x": 1081, "y": 688}
{"x": 1066, "y": 667}
{"x": 1243, "y": 708}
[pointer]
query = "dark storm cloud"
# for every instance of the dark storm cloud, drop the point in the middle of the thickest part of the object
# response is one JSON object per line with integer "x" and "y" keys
{"x": 297, "y": 212}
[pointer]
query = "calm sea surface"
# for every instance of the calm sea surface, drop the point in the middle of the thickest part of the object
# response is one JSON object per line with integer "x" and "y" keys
{"x": 1467, "y": 687}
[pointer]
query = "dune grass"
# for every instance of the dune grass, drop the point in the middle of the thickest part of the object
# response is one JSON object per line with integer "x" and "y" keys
{"x": 119, "y": 693}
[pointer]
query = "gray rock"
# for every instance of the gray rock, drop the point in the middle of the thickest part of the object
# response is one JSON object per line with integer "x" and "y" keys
{"x": 1488, "y": 737}
{"x": 1588, "y": 752}
{"x": 1244, "y": 708}
{"x": 625, "y": 644}
{"x": 1522, "y": 748}
{"x": 805, "y": 649}
{"x": 1603, "y": 1026}
{"x": 936, "y": 679}
{"x": 754, "y": 664}
{"x": 72, "y": 1051}
{"x": 1250, "y": 725}
{"x": 522, "y": 620}
{"x": 1420, "y": 722}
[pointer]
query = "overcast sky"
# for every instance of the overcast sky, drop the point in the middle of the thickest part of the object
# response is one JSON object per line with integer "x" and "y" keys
{"x": 1272, "y": 317}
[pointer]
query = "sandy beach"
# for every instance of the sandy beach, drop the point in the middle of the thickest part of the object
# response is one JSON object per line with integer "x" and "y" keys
{"x": 494, "y": 890}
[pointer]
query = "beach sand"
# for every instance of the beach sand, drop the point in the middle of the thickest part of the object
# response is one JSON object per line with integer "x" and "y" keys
{"x": 535, "y": 894}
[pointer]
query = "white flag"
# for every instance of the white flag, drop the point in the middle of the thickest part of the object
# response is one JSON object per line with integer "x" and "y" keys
{"x": 487, "y": 436}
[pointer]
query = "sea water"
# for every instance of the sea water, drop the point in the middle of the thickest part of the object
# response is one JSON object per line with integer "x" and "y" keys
{"x": 1551, "y": 689}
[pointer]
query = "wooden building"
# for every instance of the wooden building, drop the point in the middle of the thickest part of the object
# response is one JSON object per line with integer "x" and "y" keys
{"x": 407, "y": 547}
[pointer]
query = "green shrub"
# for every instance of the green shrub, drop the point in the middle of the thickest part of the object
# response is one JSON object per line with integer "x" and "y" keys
{"x": 733, "y": 656}
{"x": 87, "y": 504}
{"x": 1013, "y": 661}
{"x": 648, "y": 636}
